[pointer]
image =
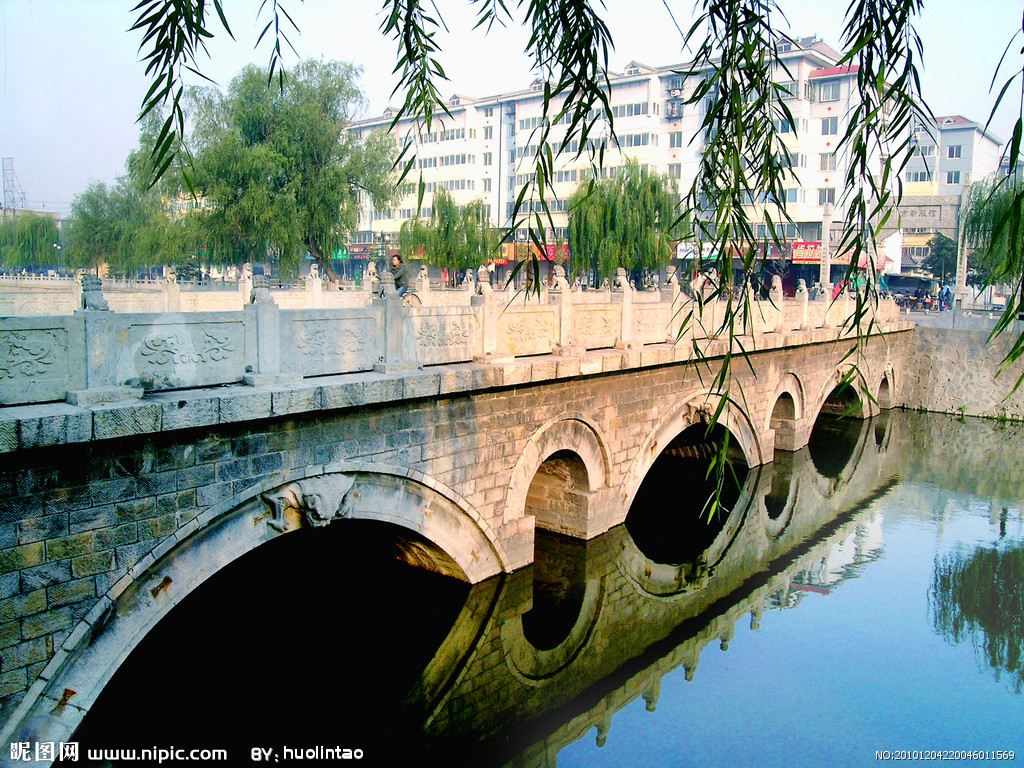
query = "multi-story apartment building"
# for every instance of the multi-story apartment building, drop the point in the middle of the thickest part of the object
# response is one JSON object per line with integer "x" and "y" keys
{"x": 947, "y": 156}
{"x": 486, "y": 148}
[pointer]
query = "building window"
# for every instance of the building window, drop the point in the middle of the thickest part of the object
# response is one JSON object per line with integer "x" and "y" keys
{"x": 953, "y": 151}
{"x": 829, "y": 91}
{"x": 827, "y": 195}
{"x": 488, "y": 111}
{"x": 952, "y": 177}
{"x": 488, "y": 132}
{"x": 783, "y": 126}
{"x": 827, "y": 161}
{"x": 487, "y": 185}
{"x": 675, "y": 139}
{"x": 914, "y": 176}
{"x": 675, "y": 170}
{"x": 487, "y": 158}
{"x": 829, "y": 126}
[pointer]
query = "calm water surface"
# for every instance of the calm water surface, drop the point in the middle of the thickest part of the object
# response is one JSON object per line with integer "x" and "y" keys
{"x": 863, "y": 596}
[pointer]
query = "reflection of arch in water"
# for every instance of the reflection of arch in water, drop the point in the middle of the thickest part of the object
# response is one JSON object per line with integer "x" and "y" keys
{"x": 451, "y": 538}
{"x": 535, "y": 666}
{"x": 836, "y": 448}
{"x": 677, "y": 579}
{"x": 782, "y": 491}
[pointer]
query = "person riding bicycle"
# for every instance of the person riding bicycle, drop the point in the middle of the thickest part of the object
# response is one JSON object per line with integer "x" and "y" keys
{"x": 401, "y": 273}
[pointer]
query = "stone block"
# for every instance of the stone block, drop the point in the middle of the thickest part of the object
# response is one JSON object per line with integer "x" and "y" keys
{"x": 295, "y": 400}
{"x": 518, "y": 372}
{"x": 52, "y": 424}
{"x": 47, "y": 623}
{"x": 10, "y": 634}
{"x": 193, "y": 477}
{"x": 421, "y": 384}
{"x": 70, "y": 592}
{"x": 13, "y": 682}
{"x": 455, "y": 378}
{"x": 108, "y": 538}
{"x": 544, "y": 370}
{"x": 343, "y": 395}
{"x": 8, "y": 434}
{"x": 378, "y": 388}
{"x": 488, "y": 377}
{"x": 157, "y": 527}
{"x": 70, "y": 546}
{"x": 40, "y": 528}
{"x": 90, "y": 565}
{"x": 133, "y": 510}
{"x": 246, "y": 406}
{"x": 118, "y": 420}
{"x": 186, "y": 413}
{"x": 19, "y": 606}
{"x": 10, "y": 585}
{"x": 18, "y": 558}
{"x": 46, "y": 575}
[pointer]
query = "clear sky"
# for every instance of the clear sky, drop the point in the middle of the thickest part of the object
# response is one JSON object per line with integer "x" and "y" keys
{"x": 71, "y": 82}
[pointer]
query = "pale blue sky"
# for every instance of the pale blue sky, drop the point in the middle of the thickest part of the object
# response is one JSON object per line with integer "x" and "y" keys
{"x": 70, "y": 82}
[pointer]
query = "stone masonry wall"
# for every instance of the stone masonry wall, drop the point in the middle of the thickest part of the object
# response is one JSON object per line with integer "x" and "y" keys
{"x": 954, "y": 371}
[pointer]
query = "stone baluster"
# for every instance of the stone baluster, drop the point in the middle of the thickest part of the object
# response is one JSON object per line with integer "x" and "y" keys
{"x": 775, "y": 296}
{"x": 626, "y": 319}
{"x": 399, "y": 339}
{"x": 801, "y": 299}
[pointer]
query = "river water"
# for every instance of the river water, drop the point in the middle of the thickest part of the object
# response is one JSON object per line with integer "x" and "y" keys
{"x": 862, "y": 598}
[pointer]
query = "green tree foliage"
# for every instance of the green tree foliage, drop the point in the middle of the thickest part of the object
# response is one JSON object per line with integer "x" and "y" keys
{"x": 127, "y": 226}
{"x": 452, "y": 239}
{"x": 994, "y": 246}
{"x": 278, "y": 171}
{"x": 941, "y": 259}
{"x": 628, "y": 221}
{"x": 979, "y": 598}
{"x": 28, "y": 240}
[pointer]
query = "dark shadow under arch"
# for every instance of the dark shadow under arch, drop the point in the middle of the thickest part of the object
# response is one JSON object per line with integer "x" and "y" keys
{"x": 312, "y": 634}
{"x": 668, "y": 519}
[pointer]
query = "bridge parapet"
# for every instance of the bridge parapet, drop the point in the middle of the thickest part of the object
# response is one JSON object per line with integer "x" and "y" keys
{"x": 94, "y": 355}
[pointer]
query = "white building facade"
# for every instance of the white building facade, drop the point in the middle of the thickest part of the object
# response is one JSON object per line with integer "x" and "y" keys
{"x": 486, "y": 149}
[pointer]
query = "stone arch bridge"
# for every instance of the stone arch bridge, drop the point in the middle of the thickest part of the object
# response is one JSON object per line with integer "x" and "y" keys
{"x": 109, "y": 525}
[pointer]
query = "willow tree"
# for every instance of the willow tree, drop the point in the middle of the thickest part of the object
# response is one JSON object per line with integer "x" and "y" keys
{"x": 455, "y": 237}
{"x": 28, "y": 240}
{"x": 277, "y": 169}
{"x": 628, "y": 221}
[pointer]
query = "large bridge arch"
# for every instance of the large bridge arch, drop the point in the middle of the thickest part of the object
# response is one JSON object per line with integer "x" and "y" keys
{"x": 452, "y": 539}
{"x": 696, "y": 409}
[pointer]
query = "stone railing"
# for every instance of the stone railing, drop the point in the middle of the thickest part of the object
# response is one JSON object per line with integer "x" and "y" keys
{"x": 95, "y": 356}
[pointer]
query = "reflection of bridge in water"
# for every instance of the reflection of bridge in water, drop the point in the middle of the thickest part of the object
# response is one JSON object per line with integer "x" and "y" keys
{"x": 634, "y": 619}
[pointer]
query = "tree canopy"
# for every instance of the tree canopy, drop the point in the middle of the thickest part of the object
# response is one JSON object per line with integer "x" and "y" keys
{"x": 454, "y": 239}
{"x": 627, "y": 221}
{"x": 28, "y": 240}
{"x": 277, "y": 170}
{"x": 941, "y": 259}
